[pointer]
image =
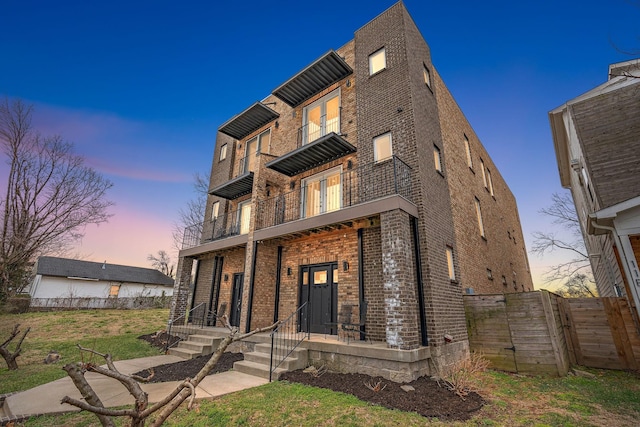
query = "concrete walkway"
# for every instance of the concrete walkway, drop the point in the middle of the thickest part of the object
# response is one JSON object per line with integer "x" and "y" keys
{"x": 45, "y": 399}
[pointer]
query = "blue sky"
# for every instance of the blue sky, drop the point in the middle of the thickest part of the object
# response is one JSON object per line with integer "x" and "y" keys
{"x": 141, "y": 87}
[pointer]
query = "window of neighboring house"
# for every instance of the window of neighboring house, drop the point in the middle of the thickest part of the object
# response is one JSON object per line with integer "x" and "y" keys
{"x": 484, "y": 174}
{"x": 437, "y": 158}
{"x": 377, "y": 61}
{"x": 450, "y": 266}
{"x": 382, "y": 148}
{"x": 489, "y": 274}
{"x": 322, "y": 117}
{"x": 504, "y": 280}
{"x": 479, "y": 215}
{"x": 223, "y": 152}
{"x": 255, "y": 146}
{"x": 321, "y": 193}
{"x": 214, "y": 210}
{"x": 427, "y": 76}
{"x": 490, "y": 182}
{"x": 114, "y": 291}
{"x": 244, "y": 216}
{"x": 467, "y": 150}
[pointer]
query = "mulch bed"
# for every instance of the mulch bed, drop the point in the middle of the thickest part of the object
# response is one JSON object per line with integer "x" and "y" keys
{"x": 428, "y": 398}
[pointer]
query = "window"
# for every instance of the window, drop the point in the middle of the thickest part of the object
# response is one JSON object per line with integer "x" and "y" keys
{"x": 479, "y": 215}
{"x": 255, "y": 146}
{"x": 322, "y": 117}
{"x": 504, "y": 280}
{"x": 114, "y": 291}
{"x": 484, "y": 175}
{"x": 244, "y": 216}
{"x": 321, "y": 193}
{"x": 437, "y": 158}
{"x": 427, "y": 76}
{"x": 223, "y": 152}
{"x": 382, "y": 148}
{"x": 452, "y": 273}
{"x": 490, "y": 182}
{"x": 467, "y": 150}
{"x": 214, "y": 210}
{"x": 489, "y": 274}
{"x": 377, "y": 61}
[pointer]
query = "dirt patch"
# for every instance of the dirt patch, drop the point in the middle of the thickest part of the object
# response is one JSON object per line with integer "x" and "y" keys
{"x": 427, "y": 399}
{"x": 160, "y": 339}
{"x": 189, "y": 368}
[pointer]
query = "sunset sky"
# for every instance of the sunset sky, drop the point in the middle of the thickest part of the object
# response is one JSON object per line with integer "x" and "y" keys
{"x": 141, "y": 87}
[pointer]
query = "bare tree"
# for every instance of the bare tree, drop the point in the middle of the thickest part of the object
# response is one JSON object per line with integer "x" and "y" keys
{"x": 11, "y": 356}
{"x": 193, "y": 212}
{"x": 141, "y": 410}
{"x": 579, "y": 286}
{"x": 50, "y": 196}
{"x": 162, "y": 263}
{"x": 564, "y": 215}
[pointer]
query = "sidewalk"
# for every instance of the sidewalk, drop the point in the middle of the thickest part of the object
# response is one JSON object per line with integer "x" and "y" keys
{"x": 45, "y": 399}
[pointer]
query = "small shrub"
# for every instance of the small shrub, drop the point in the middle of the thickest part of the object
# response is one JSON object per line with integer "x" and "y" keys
{"x": 460, "y": 378}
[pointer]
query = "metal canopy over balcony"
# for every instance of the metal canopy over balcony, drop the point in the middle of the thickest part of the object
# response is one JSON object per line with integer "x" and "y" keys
{"x": 238, "y": 186}
{"x": 319, "y": 152}
{"x": 251, "y": 119}
{"x": 322, "y": 73}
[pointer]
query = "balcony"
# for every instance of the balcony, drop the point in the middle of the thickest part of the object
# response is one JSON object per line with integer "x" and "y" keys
{"x": 250, "y": 120}
{"x": 366, "y": 190}
{"x": 222, "y": 227}
{"x": 242, "y": 184}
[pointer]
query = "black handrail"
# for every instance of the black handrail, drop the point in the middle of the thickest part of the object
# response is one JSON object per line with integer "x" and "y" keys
{"x": 187, "y": 315}
{"x": 286, "y": 338}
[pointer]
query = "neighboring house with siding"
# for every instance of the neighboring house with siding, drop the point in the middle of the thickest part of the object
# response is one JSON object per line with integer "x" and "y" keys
{"x": 71, "y": 278}
{"x": 597, "y": 143}
{"x": 356, "y": 182}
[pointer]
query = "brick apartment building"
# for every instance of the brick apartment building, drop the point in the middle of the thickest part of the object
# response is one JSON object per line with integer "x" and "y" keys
{"x": 597, "y": 142}
{"x": 357, "y": 182}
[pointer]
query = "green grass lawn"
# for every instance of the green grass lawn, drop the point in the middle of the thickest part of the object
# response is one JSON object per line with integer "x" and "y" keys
{"x": 106, "y": 331}
{"x": 609, "y": 398}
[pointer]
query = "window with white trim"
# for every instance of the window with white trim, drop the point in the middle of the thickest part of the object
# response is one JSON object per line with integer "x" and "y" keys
{"x": 255, "y": 146}
{"x": 490, "y": 182}
{"x": 437, "y": 158}
{"x": 450, "y": 266}
{"x": 322, "y": 117}
{"x": 382, "y": 147}
{"x": 479, "y": 216}
{"x": 467, "y": 150}
{"x": 223, "y": 152}
{"x": 322, "y": 193}
{"x": 215, "y": 207}
{"x": 377, "y": 61}
{"x": 484, "y": 175}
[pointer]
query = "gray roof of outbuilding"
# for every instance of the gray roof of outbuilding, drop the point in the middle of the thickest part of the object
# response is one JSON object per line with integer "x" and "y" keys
{"x": 64, "y": 267}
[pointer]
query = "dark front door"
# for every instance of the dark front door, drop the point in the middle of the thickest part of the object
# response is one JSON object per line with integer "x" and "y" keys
{"x": 236, "y": 299}
{"x": 319, "y": 288}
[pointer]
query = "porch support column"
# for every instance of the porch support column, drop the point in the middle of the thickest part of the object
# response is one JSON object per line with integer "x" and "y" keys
{"x": 398, "y": 274}
{"x": 181, "y": 288}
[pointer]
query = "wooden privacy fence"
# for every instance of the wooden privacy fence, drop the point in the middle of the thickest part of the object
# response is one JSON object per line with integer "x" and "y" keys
{"x": 543, "y": 333}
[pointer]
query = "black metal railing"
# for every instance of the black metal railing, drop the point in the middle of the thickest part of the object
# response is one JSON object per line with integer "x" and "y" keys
{"x": 330, "y": 122}
{"x": 195, "y": 312}
{"x": 359, "y": 185}
{"x": 287, "y": 337}
{"x": 223, "y": 226}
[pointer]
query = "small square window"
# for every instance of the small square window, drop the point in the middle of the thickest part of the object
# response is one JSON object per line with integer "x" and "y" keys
{"x": 382, "y": 148}
{"x": 223, "y": 152}
{"x": 377, "y": 61}
{"x": 452, "y": 273}
{"x": 427, "y": 76}
{"x": 437, "y": 158}
{"x": 114, "y": 291}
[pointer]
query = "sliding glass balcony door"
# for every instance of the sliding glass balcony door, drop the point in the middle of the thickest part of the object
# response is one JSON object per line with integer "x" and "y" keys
{"x": 322, "y": 193}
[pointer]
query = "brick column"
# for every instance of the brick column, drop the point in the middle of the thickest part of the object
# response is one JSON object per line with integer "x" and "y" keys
{"x": 179, "y": 302}
{"x": 399, "y": 288}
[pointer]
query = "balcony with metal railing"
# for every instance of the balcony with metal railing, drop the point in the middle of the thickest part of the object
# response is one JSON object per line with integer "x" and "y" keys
{"x": 366, "y": 190}
{"x": 222, "y": 227}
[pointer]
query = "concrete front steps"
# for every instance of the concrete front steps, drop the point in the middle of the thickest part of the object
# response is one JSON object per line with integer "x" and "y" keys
{"x": 196, "y": 345}
{"x": 257, "y": 362}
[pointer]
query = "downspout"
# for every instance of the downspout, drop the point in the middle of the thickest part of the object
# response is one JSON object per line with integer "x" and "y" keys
{"x": 625, "y": 264}
{"x": 277, "y": 296}
{"x": 419, "y": 282}
{"x": 251, "y": 283}
{"x": 361, "y": 278}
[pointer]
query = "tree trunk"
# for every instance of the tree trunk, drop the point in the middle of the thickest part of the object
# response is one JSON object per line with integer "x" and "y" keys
{"x": 76, "y": 373}
{"x": 7, "y": 355}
